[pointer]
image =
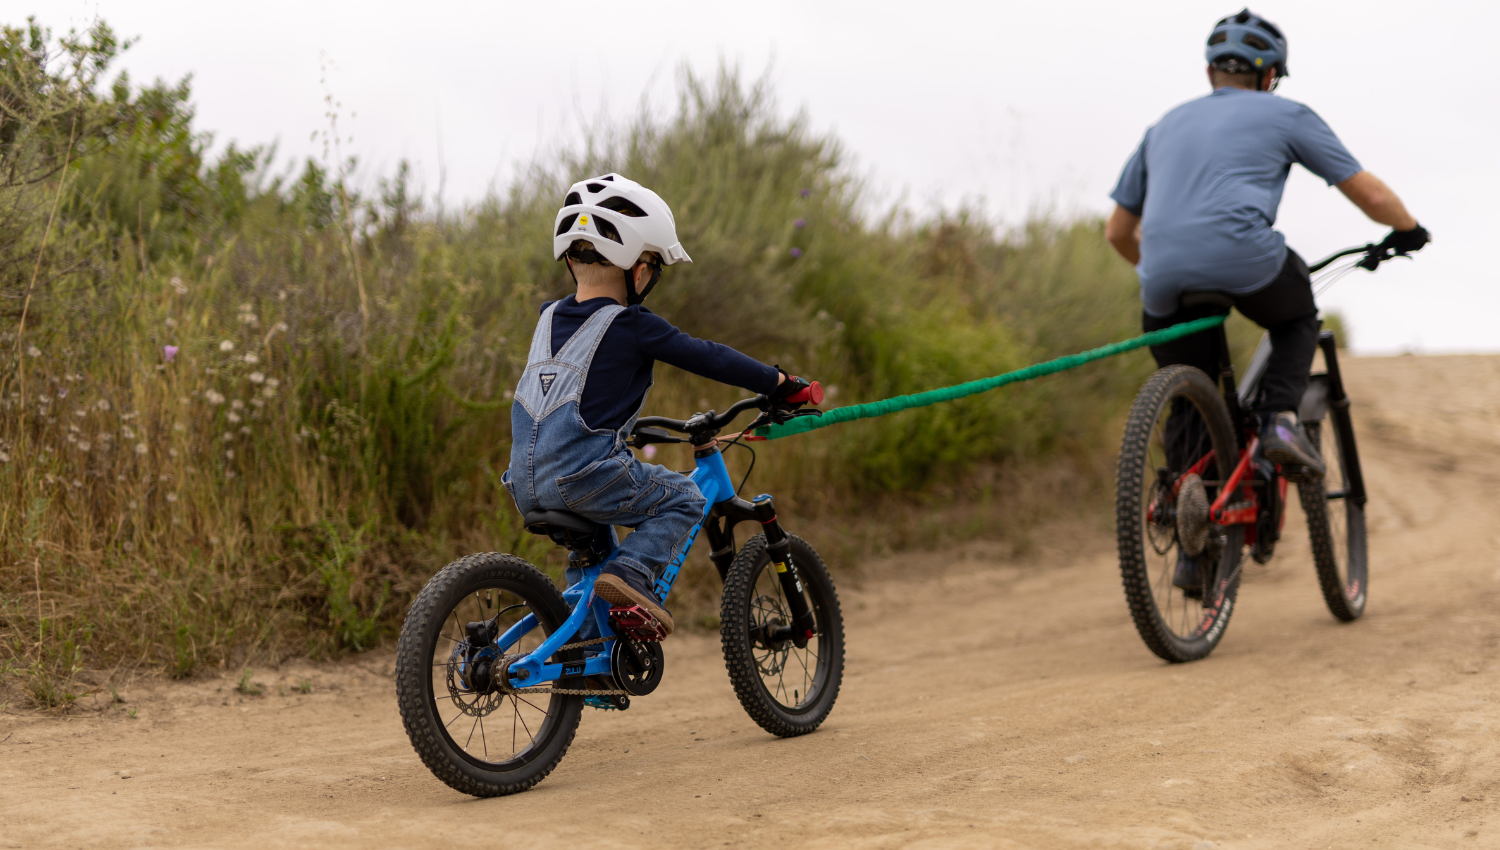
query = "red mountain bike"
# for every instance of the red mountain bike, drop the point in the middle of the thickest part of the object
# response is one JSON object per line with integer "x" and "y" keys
{"x": 1192, "y": 483}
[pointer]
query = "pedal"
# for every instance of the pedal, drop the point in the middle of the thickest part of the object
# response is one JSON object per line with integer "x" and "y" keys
{"x": 637, "y": 622}
{"x": 607, "y": 702}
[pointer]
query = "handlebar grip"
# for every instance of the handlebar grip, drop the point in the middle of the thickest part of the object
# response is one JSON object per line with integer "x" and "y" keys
{"x": 810, "y": 394}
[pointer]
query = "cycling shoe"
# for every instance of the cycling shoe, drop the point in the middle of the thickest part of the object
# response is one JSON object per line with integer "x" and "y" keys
{"x": 619, "y": 591}
{"x": 1188, "y": 577}
{"x": 1283, "y": 442}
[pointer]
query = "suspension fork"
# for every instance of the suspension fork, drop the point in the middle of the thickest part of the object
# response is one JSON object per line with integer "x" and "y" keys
{"x": 1338, "y": 408}
{"x": 779, "y": 547}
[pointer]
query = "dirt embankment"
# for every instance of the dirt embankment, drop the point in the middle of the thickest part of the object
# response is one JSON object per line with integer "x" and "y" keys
{"x": 989, "y": 702}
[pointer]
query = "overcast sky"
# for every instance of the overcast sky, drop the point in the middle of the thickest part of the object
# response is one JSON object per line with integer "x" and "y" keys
{"x": 1015, "y": 106}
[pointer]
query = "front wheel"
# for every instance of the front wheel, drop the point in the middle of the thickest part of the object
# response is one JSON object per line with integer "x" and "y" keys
{"x": 1337, "y": 526}
{"x": 471, "y": 729}
{"x": 786, "y": 688}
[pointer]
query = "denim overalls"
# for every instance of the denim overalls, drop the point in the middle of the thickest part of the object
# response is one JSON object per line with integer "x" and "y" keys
{"x": 557, "y": 462}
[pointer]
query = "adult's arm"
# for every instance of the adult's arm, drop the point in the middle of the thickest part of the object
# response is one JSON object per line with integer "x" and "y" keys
{"x": 1377, "y": 201}
{"x": 1123, "y": 230}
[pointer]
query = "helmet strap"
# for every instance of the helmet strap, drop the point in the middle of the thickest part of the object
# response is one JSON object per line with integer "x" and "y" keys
{"x": 631, "y": 296}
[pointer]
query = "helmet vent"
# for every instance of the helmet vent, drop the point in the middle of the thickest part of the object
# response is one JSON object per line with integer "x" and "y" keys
{"x": 607, "y": 230}
{"x": 1256, "y": 42}
{"x": 567, "y": 223}
{"x": 595, "y": 188}
{"x": 1218, "y": 38}
{"x": 609, "y": 178}
{"x": 623, "y": 206}
{"x": 571, "y": 199}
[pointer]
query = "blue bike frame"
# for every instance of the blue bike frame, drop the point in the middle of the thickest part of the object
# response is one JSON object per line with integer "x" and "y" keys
{"x": 711, "y": 477}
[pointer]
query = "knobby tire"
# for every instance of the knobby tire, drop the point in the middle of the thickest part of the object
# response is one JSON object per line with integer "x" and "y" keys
{"x": 740, "y": 650}
{"x": 414, "y": 676}
{"x": 1154, "y": 398}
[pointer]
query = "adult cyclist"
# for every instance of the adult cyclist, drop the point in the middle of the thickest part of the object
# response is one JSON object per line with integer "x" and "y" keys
{"x": 1195, "y": 207}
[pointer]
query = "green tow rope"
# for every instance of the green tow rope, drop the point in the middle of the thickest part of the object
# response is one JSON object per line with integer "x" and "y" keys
{"x": 1061, "y": 364}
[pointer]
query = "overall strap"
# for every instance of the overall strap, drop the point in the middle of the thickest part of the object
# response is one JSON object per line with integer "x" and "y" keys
{"x": 541, "y": 340}
{"x": 580, "y": 347}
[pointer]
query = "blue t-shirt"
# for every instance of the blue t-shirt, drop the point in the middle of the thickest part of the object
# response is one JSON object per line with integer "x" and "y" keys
{"x": 1207, "y": 180}
{"x": 620, "y": 372}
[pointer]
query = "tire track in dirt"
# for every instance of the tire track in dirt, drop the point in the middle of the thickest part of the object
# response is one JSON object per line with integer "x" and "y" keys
{"x": 1037, "y": 719}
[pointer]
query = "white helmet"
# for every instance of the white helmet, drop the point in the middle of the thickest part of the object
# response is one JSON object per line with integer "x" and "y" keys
{"x": 621, "y": 218}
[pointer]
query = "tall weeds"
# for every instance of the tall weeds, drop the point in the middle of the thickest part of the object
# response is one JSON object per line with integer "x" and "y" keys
{"x": 251, "y": 412}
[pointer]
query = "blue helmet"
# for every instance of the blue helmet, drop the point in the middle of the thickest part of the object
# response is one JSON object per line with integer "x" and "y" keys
{"x": 1251, "y": 39}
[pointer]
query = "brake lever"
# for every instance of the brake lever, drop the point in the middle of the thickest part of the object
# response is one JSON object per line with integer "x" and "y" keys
{"x": 647, "y": 435}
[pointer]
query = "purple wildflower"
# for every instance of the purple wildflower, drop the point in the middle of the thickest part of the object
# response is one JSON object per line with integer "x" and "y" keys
{"x": 169, "y": 352}
{"x": 806, "y": 192}
{"x": 800, "y": 223}
{"x": 796, "y": 252}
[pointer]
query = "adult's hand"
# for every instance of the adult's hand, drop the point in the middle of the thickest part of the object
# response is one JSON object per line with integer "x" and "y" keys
{"x": 1407, "y": 241}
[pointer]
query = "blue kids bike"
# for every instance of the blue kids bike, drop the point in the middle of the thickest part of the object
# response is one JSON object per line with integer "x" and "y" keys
{"x": 493, "y": 671}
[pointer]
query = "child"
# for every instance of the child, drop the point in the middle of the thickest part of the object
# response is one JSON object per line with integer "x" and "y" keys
{"x": 586, "y": 380}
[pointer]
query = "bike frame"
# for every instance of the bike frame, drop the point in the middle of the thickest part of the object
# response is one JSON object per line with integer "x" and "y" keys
{"x": 724, "y": 510}
{"x": 1325, "y": 396}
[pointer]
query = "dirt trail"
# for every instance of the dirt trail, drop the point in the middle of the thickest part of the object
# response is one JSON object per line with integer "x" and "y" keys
{"x": 1037, "y": 720}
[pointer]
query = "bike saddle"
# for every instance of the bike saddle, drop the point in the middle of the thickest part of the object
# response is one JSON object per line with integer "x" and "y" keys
{"x": 564, "y": 527}
{"x": 1207, "y": 299}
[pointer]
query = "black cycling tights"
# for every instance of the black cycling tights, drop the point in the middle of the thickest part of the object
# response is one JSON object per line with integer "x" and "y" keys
{"x": 1284, "y": 307}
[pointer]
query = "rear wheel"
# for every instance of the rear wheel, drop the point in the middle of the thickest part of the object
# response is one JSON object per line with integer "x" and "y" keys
{"x": 787, "y": 689}
{"x": 470, "y": 728}
{"x": 1337, "y": 527}
{"x": 1176, "y": 420}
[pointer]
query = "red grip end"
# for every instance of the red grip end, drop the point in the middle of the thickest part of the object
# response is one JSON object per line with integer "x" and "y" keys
{"x": 811, "y": 394}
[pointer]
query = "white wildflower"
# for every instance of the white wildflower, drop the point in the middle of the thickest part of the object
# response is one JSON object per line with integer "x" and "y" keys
{"x": 178, "y": 285}
{"x": 257, "y": 403}
{"x": 81, "y": 412}
{"x": 171, "y": 497}
{"x": 229, "y": 436}
{"x": 33, "y": 351}
{"x": 233, "y": 417}
{"x": 237, "y": 405}
{"x": 257, "y": 378}
{"x": 179, "y": 428}
{"x": 77, "y": 483}
{"x": 140, "y": 448}
{"x": 273, "y": 383}
{"x": 133, "y": 504}
{"x": 246, "y": 307}
{"x": 213, "y": 541}
{"x": 282, "y": 326}
{"x": 171, "y": 452}
{"x": 127, "y": 433}
{"x": 4, "y": 457}
{"x": 102, "y": 404}
{"x": 251, "y": 358}
{"x": 245, "y": 429}
{"x": 171, "y": 322}
{"x": 229, "y": 453}
{"x": 83, "y": 445}
{"x": 128, "y": 546}
{"x": 226, "y": 345}
{"x": 213, "y": 397}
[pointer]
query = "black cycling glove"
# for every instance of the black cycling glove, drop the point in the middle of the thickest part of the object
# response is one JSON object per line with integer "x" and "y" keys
{"x": 1406, "y": 241}
{"x": 795, "y": 392}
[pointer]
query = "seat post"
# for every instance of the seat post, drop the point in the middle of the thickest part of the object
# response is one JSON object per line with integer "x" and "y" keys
{"x": 1226, "y": 376}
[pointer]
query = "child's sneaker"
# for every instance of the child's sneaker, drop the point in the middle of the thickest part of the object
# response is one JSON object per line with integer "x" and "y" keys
{"x": 623, "y": 591}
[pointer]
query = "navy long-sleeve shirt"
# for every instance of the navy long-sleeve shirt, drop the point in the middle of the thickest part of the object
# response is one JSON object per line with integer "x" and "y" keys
{"x": 621, "y": 369}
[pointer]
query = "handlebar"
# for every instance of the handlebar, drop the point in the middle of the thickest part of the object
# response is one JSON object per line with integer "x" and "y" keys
{"x": 1374, "y": 255}
{"x": 703, "y": 427}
